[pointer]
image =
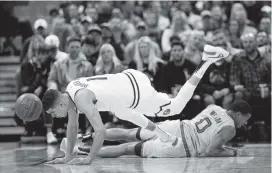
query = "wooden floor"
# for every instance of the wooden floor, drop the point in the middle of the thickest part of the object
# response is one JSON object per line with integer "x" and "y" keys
{"x": 30, "y": 159}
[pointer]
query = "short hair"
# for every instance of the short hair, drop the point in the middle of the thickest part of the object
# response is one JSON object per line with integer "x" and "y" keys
{"x": 49, "y": 98}
{"x": 72, "y": 39}
{"x": 241, "y": 106}
{"x": 174, "y": 38}
{"x": 177, "y": 43}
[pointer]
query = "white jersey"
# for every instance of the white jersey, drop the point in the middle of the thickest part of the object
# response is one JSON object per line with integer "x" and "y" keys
{"x": 110, "y": 90}
{"x": 200, "y": 130}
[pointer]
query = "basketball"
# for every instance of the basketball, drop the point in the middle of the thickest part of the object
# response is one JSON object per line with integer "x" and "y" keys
{"x": 28, "y": 107}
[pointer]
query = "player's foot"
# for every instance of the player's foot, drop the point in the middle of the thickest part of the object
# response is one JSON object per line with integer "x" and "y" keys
{"x": 51, "y": 139}
{"x": 214, "y": 54}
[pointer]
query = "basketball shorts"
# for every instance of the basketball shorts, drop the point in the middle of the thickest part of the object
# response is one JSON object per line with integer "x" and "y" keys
{"x": 171, "y": 127}
{"x": 158, "y": 149}
{"x": 146, "y": 99}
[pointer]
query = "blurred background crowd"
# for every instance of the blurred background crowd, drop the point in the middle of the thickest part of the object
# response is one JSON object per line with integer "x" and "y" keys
{"x": 163, "y": 39}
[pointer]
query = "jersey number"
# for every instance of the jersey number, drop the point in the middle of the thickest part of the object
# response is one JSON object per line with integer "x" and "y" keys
{"x": 203, "y": 124}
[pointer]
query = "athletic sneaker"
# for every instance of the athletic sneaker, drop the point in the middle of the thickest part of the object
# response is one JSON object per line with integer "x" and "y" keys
{"x": 214, "y": 54}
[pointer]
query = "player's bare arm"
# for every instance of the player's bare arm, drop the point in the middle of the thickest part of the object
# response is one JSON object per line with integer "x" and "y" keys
{"x": 72, "y": 130}
{"x": 84, "y": 101}
{"x": 217, "y": 148}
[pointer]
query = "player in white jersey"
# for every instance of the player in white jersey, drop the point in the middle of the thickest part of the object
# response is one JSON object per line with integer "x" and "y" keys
{"x": 204, "y": 135}
{"x": 128, "y": 94}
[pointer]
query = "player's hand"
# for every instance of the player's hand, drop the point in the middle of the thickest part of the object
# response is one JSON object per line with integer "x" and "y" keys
{"x": 62, "y": 160}
{"x": 80, "y": 161}
{"x": 242, "y": 152}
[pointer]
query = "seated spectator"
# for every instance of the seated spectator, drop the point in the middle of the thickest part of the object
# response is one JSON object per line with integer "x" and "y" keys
{"x": 234, "y": 34}
{"x": 52, "y": 41}
{"x": 264, "y": 44}
{"x": 218, "y": 17}
{"x": 112, "y": 35}
{"x": 108, "y": 62}
{"x": 40, "y": 32}
{"x": 86, "y": 21}
{"x": 89, "y": 49}
{"x": 163, "y": 22}
{"x": 265, "y": 25}
{"x": 194, "y": 47}
{"x": 179, "y": 26}
{"x": 145, "y": 59}
{"x": 238, "y": 13}
{"x": 193, "y": 19}
{"x": 130, "y": 49}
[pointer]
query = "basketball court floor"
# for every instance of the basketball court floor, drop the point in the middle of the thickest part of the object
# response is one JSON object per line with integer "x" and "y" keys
{"x": 30, "y": 159}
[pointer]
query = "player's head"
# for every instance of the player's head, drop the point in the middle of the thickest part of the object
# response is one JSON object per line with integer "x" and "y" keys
{"x": 240, "y": 111}
{"x": 55, "y": 104}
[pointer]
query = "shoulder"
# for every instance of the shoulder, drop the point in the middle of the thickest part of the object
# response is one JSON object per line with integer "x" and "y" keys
{"x": 84, "y": 96}
{"x": 227, "y": 132}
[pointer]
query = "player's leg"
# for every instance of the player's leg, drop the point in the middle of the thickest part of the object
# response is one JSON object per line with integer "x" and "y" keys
{"x": 119, "y": 134}
{"x": 117, "y": 151}
{"x": 210, "y": 55}
{"x": 141, "y": 121}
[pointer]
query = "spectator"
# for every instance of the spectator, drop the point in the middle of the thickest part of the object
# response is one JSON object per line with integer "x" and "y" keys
{"x": 95, "y": 33}
{"x": 40, "y": 27}
{"x": 218, "y": 17}
{"x": 206, "y": 25}
{"x": 92, "y": 13}
{"x": 193, "y": 19}
{"x": 71, "y": 68}
{"x": 249, "y": 70}
{"x": 177, "y": 71}
{"x": 234, "y": 34}
{"x": 264, "y": 45}
{"x": 265, "y": 25}
{"x": 178, "y": 27}
{"x": 142, "y": 29}
{"x": 163, "y": 22}
{"x": 130, "y": 49}
{"x": 145, "y": 59}
{"x": 89, "y": 50}
{"x": 238, "y": 13}
{"x": 108, "y": 62}
{"x": 113, "y": 38}
{"x": 85, "y": 24}
{"x": 194, "y": 47}
{"x": 63, "y": 30}
{"x": 52, "y": 41}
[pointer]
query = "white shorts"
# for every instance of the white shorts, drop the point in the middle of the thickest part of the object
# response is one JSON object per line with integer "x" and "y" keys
{"x": 170, "y": 126}
{"x": 157, "y": 148}
{"x": 146, "y": 99}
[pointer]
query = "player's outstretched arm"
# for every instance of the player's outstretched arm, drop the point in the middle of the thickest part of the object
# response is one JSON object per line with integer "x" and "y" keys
{"x": 72, "y": 130}
{"x": 84, "y": 102}
{"x": 215, "y": 148}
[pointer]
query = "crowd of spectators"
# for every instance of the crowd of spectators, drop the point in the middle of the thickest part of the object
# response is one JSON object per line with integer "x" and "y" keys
{"x": 163, "y": 39}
